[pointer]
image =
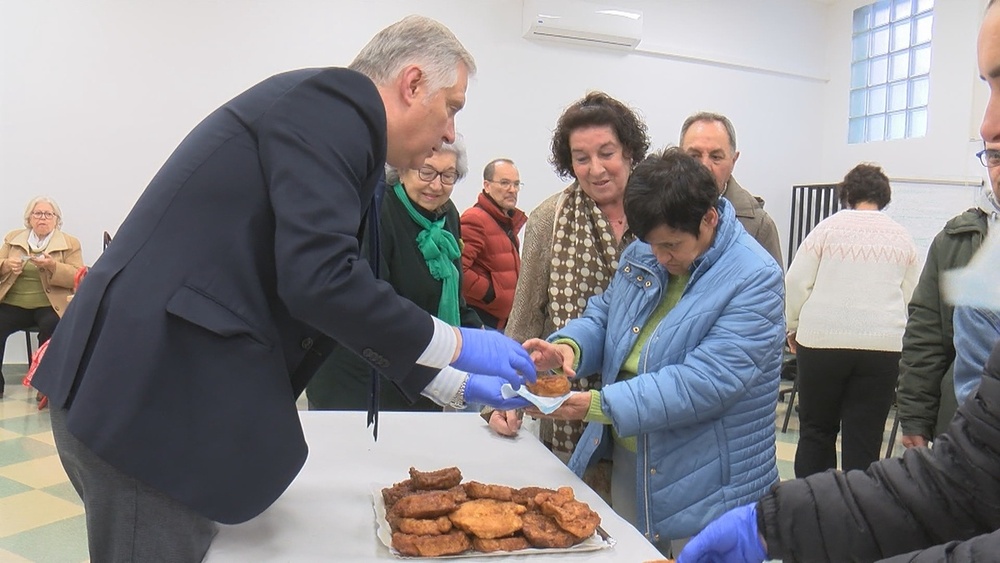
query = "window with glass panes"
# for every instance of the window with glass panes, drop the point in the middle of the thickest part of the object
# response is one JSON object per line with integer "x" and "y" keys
{"x": 890, "y": 70}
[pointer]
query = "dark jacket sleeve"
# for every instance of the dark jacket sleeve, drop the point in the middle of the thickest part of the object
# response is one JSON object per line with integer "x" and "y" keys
{"x": 926, "y": 498}
{"x": 928, "y": 351}
{"x": 981, "y": 548}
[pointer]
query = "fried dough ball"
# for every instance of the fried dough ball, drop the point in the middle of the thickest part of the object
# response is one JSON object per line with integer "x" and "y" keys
{"x": 476, "y": 489}
{"x": 431, "y": 546}
{"x": 435, "y": 480}
{"x": 542, "y": 531}
{"x": 423, "y": 526}
{"x": 512, "y": 543}
{"x": 572, "y": 515}
{"x": 552, "y": 385}
{"x": 487, "y": 518}
{"x": 425, "y": 505}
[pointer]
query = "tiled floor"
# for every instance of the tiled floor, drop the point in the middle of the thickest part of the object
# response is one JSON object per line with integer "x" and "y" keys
{"x": 41, "y": 516}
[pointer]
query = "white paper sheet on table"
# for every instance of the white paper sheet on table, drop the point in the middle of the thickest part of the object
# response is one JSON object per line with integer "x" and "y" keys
{"x": 600, "y": 539}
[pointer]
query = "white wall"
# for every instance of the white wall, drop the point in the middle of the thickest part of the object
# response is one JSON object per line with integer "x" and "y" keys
{"x": 95, "y": 94}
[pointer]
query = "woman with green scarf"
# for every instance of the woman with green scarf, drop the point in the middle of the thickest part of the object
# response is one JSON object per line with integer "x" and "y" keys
{"x": 422, "y": 259}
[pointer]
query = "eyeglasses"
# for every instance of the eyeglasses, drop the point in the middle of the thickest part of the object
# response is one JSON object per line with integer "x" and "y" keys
{"x": 507, "y": 184}
{"x": 989, "y": 157}
{"x": 43, "y": 214}
{"x": 448, "y": 177}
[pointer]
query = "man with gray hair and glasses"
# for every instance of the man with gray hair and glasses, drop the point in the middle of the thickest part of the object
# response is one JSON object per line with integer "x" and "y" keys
{"x": 173, "y": 375}
{"x": 491, "y": 258}
{"x": 711, "y": 138}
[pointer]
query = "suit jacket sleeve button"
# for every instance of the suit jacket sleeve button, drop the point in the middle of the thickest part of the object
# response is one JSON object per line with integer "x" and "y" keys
{"x": 307, "y": 343}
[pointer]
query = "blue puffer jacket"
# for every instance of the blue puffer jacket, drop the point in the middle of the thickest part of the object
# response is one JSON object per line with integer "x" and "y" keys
{"x": 703, "y": 405}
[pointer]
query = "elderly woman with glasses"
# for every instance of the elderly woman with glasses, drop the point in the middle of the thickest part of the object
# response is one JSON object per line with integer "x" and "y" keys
{"x": 421, "y": 258}
{"x": 37, "y": 266}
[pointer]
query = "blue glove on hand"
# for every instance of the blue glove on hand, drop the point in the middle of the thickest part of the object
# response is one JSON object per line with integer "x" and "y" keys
{"x": 490, "y": 352}
{"x": 730, "y": 538}
{"x": 485, "y": 389}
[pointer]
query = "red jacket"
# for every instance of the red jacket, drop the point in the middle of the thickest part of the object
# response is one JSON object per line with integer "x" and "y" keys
{"x": 490, "y": 257}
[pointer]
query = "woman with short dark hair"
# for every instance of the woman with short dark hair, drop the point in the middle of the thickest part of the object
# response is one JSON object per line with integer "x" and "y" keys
{"x": 846, "y": 296}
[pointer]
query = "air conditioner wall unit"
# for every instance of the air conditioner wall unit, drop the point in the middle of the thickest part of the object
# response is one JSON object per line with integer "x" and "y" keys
{"x": 582, "y": 22}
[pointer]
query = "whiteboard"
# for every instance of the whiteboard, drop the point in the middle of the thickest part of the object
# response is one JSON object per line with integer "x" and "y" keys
{"x": 924, "y": 207}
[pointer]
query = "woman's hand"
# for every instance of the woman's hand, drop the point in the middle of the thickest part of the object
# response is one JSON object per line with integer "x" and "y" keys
{"x": 573, "y": 408}
{"x": 14, "y": 264}
{"x": 44, "y": 262}
{"x": 506, "y": 423}
{"x": 793, "y": 346}
{"x": 548, "y": 356}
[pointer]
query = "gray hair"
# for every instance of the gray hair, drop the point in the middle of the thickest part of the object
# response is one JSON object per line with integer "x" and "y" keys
{"x": 414, "y": 40}
{"x": 42, "y": 199}
{"x": 491, "y": 167}
{"x": 457, "y": 148}
{"x": 709, "y": 116}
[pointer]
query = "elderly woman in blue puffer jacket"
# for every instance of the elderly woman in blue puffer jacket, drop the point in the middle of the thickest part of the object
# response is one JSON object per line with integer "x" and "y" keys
{"x": 688, "y": 340}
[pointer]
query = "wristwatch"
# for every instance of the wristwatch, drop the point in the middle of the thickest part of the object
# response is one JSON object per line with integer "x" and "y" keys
{"x": 458, "y": 402}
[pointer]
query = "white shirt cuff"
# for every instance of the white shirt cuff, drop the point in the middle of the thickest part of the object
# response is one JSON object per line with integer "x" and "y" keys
{"x": 442, "y": 346}
{"x": 445, "y": 385}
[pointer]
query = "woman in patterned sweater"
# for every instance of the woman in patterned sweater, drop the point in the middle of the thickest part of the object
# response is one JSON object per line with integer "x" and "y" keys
{"x": 846, "y": 296}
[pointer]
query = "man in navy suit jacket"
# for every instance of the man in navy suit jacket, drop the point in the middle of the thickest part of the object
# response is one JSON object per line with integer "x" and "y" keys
{"x": 173, "y": 375}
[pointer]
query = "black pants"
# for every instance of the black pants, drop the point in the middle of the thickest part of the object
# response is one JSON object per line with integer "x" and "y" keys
{"x": 13, "y": 319}
{"x": 842, "y": 390}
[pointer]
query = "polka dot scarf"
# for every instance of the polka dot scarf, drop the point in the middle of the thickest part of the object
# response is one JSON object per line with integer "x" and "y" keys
{"x": 584, "y": 258}
{"x": 584, "y": 255}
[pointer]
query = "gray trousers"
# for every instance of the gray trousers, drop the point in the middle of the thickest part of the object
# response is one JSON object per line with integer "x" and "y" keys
{"x": 127, "y": 520}
{"x": 623, "y": 492}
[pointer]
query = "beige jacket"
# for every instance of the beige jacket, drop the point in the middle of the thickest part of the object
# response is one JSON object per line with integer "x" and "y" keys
{"x": 58, "y": 285}
{"x": 750, "y": 213}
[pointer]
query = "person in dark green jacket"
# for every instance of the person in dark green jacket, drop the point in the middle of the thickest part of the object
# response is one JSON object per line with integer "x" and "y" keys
{"x": 422, "y": 259}
{"x": 925, "y": 396}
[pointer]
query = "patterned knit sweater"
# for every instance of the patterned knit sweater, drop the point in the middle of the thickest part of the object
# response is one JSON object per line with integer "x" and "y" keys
{"x": 850, "y": 282}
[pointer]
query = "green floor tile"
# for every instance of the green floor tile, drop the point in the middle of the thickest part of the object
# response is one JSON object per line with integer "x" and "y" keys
{"x": 23, "y": 449}
{"x": 27, "y": 425}
{"x": 64, "y": 491}
{"x": 60, "y": 542}
{"x": 9, "y": 487}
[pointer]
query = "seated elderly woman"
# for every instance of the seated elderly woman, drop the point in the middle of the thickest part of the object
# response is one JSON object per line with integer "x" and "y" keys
{"x": 37, "y": 266}
{"x": 687, "y": 339}
{"x": 422, "y": 260}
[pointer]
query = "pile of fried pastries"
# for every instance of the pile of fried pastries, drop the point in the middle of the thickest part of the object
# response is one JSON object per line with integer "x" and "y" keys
{"x": 434, "y": 513}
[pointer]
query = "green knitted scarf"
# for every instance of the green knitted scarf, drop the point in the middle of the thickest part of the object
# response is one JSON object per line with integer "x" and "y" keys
{"x": 440, "y": 250}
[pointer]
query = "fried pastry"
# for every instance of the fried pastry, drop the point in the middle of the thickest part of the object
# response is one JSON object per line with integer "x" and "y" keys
{"x": 476, "y": 489}
{"x": 572, "y": 515}
{"x": 552, "y": 385}
{"x": 431, "y": 546}
{"x": 542, "y": 531}
{"x": 390, "y": 495}
{"x": 487, "y": 518}
{"x": 526, "y": 495}
{"x": 435, "y": 480}
{"x": 425, "y": 505}
{"x": 512, "y": 543}
{"x": 423, "y": 526}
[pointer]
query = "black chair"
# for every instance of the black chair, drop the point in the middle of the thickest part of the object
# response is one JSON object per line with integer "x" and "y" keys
{"x": 27, "y": 341}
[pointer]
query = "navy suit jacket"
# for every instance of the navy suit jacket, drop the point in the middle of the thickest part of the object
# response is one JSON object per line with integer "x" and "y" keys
{"x": 182, "y": 353}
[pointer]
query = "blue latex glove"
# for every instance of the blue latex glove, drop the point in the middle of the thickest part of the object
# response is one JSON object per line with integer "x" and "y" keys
{"x": 485, "y": 389}
{"x": 490, "y": 352}
{"x": 730, "y": 538}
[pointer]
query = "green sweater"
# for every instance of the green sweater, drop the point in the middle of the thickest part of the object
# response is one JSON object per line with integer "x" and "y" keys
{"x": 675, "y": 288}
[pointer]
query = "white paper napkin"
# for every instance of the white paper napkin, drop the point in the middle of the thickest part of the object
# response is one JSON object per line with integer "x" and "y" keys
{"x": 544, "y": 404}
